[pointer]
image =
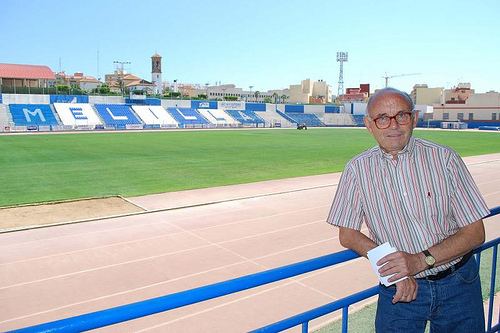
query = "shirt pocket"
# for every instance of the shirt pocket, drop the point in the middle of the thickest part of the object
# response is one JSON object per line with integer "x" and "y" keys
{"x": 437, "y": 212}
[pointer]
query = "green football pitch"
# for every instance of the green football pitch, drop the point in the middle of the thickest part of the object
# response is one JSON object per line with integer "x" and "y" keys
{"x": 39, "y": 168}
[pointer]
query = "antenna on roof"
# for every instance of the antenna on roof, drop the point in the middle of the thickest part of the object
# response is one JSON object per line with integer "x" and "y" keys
{"x": 98, "y": 76}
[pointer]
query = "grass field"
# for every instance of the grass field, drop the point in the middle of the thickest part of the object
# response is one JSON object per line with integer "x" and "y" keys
{"x": 38, "y": 168}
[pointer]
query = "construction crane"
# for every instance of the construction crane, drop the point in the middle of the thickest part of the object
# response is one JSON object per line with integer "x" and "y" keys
{"x": 387, "y": 77}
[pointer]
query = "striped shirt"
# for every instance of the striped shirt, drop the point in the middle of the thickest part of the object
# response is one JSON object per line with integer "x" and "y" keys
{"x": 413, "y": 202}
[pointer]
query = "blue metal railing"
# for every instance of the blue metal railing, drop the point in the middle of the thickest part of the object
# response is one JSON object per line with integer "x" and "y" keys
{"x": 305, "y": 317}
{"x": 164, "y": 303}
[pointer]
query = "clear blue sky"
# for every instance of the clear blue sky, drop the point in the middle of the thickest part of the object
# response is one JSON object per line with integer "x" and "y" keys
{"x": 265, "y": 43}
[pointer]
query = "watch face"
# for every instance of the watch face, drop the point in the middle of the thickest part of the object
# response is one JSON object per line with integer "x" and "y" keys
{"x": 430, "y": 260}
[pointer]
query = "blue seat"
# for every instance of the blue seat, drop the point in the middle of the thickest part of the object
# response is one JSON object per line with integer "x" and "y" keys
{"x": 187, "y": 116}
{"x": 309, "y": 119}
{"x": 246, "y": 117}
{"x": 117, "y": 115}
{"x": 32, "y": 114}
{"x": 359, "y": 120}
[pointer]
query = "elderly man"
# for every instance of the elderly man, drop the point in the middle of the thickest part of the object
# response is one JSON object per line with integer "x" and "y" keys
{"x": 418, "y": 196}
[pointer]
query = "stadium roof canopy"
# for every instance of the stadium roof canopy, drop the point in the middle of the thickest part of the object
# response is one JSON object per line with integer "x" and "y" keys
{"x": 15, "y": 71}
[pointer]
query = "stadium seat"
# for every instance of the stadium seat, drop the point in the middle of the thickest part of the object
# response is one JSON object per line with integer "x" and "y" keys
{"x": 187, "y": 117}
{"x": 309, "y": 119}
{"x": 117, "y": 115}
{"x": 32, "y": 114}
{"x": 154, "y": 115}
{"x": 246, "y": 117}
{"x": 217, "y": 117}
{"x": 77, "y": 114}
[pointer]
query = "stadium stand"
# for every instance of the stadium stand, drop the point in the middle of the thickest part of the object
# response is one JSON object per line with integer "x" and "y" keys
{"x": 69, "y": 99}
{"x": 117, "y": 115}
{"x": 310, "y": 120}
{"x": 288, "y": 118}
{"x": 77, "y": 114}
{"x": 5, "y": 118}
{"x": 273, "y": 119}
{"x": 144, "y": 101}
{"x": 32, "y": 115}
{"x": 187, "y": 117}
{"x": 218, "y": 117}
{"x": 338, "y": 119}
{"x": 246, "y": 117}
{"x": 154, "y": 115}
{"x": 358, "y": 120}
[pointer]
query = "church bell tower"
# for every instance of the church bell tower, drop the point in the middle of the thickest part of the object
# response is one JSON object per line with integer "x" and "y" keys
{"x": 156, "y": 73}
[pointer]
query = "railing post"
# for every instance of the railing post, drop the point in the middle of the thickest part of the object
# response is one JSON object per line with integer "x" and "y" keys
{"x": 345, "y": 318}
{"x": 305, "y": 327}
{"x": 492, "y": 285}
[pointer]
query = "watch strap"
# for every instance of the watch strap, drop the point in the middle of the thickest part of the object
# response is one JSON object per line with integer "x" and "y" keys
{"x": 428, "y": 254}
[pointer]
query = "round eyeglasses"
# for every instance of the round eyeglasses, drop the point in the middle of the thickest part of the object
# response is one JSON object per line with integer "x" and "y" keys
{"x": 402, "y": 118}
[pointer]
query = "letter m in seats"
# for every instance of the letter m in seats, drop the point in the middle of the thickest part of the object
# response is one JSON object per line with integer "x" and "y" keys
{"x": 34, "y": 113}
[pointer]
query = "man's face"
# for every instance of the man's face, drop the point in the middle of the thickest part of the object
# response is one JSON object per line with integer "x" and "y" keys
{"x": 395, "y": 137}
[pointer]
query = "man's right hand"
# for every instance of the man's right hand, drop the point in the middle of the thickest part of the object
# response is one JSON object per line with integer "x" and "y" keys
{"x": 406, "y": 290}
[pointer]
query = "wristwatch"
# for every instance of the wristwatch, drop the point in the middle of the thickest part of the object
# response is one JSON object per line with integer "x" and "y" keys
{"x": 429, "y": 259}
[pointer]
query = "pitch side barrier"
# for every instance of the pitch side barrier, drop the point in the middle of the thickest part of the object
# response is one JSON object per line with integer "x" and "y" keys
{"x": 151, "y": 306}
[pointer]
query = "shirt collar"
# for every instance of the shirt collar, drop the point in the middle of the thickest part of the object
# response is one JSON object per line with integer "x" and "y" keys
{"x": 407, "y": 151}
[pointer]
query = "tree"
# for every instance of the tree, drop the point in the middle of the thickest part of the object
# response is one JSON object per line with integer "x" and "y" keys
{"x": 62, "y": 88}
{"x": 104, "y": 89}
{"x": 275, "y": 96}
{"x": 257, "y": 94}
{"x": 284, "y": 98}
{"x": 268, "y": 99}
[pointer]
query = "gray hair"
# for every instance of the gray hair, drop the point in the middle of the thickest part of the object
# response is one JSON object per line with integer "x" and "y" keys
{"x": 389, "y": 90}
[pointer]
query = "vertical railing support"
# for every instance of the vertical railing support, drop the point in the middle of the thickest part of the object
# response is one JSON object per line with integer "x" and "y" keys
{"x": 345, "y": 319}
{"x": 492, "y": 285}
{"x": 305, "y": 327}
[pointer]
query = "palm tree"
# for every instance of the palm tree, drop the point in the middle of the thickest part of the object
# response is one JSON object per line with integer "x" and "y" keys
{"x": 275, "y": 96}
{"x": 257, "y": 94}
{"x": 283, "y": 98}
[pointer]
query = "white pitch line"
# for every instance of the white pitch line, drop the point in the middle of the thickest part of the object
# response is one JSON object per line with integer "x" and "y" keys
{"x": 128, "y": 291}
{"x": 158, "y": 236}
{"x": 210, "y": 243}
{"x": 144, "y": 224}
{"x": 122, "y": 292}
{"x": 214, "y": 307}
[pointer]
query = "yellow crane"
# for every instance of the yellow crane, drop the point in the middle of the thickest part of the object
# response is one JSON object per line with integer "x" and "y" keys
{"x": 387, "y": 77}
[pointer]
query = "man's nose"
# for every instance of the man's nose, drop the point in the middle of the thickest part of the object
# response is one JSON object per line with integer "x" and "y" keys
{"x": 394, "y": 123}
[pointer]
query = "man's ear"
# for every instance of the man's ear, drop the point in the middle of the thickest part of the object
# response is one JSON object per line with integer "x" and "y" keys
{"x": 368, "y": 124}
{"x": 415, "y": 119}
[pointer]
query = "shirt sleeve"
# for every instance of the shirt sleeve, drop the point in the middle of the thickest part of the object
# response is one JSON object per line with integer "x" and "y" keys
{"x": 346, "y": 210}
{"x": 467, "y": 203}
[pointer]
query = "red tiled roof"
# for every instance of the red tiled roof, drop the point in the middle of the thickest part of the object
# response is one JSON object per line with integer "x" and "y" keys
{"x": 15, "y": 71}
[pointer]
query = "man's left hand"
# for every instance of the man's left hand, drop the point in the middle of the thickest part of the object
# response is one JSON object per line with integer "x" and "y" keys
{"x": 400, "y": 264}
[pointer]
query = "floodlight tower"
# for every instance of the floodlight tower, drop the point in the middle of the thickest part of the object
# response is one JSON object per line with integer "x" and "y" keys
{"x": 341, "y": 57}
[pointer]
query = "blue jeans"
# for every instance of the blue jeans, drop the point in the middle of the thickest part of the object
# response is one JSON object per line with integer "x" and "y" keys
{"x": 452, "y": 305}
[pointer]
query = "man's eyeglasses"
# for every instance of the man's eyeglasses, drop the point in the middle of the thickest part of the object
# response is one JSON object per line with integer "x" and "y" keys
{"x": 402, "y": 118}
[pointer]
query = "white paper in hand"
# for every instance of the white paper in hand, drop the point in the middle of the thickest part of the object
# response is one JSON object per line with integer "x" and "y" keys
{"x": 375, "y": 255}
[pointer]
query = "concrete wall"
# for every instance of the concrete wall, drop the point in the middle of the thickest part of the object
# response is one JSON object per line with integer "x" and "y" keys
{"x": 429, "y": 96}
{"x": 25, "y": 99}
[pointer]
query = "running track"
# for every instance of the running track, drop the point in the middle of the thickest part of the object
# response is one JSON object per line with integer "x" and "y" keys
{"x": 220, "y": 233}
